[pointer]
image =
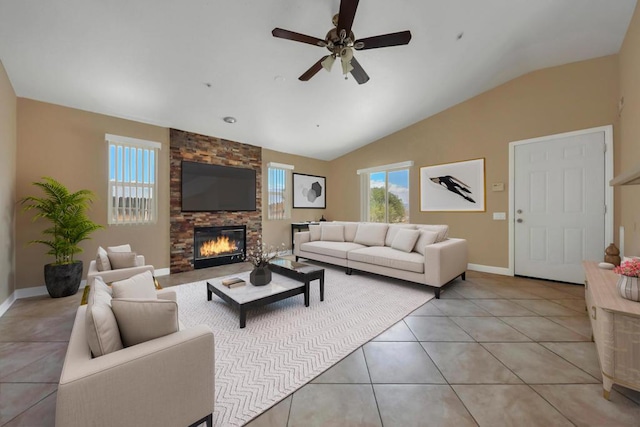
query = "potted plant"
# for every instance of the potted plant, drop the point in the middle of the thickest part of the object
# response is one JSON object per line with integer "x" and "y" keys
{"x": 70, "y": 225}
{"x": 260, "y": 256}
{"x": 628, "y": 285}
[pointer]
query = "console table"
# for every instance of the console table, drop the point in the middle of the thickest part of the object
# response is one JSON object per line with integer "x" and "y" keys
{"x": 300, "y": 226}
{"x": 615, "y": 322}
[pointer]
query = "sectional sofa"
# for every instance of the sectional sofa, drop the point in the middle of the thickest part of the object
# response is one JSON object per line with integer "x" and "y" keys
{"x": 414, "y": 252}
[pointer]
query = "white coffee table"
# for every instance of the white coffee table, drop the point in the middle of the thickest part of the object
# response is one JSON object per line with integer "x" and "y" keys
{"x": 248, "y": 296}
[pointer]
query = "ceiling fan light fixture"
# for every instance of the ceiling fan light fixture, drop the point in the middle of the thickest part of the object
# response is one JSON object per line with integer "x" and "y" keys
{"x": 346, "y": 55}
{"x": 327, "y": 63}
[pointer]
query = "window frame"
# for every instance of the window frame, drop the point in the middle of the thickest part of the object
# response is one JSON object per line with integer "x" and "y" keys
{"x": 285, "y": 191}
{"x": 153, "y": 149}
{"x": 365, "y": 187}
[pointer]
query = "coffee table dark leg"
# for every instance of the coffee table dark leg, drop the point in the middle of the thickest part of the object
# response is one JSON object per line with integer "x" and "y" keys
{"x": 209, "y": 293}
{"x": 322, "y": 286}
{"x": 243, "y": 317}
{"x": 306, "y": 293}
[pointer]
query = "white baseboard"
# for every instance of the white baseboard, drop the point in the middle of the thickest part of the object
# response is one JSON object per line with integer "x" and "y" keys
{"x": 34, "y": 291}
{"x": 7, "y": 304}
{"x": 489, "y": 269}
{"x": 161, "y": 272}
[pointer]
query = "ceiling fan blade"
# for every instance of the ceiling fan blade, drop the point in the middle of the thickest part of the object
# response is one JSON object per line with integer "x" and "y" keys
{"x": 385, "y": 40}
{"x": 313, "y": 70}
{"x": 346, "y": 15}
{"x": 358, "y": 72}
{"x": 297, "y": 37}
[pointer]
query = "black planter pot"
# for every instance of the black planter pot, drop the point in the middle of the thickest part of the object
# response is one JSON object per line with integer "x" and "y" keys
{"x": 260, "y": 276}
{"x": 63, "y": 280}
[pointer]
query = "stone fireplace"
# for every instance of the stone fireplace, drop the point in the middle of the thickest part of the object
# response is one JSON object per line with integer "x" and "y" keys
{"x": 219, "y": 245}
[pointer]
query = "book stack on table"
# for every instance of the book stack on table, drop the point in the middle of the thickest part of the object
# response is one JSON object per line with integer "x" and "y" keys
{"x": 233, "y": 282}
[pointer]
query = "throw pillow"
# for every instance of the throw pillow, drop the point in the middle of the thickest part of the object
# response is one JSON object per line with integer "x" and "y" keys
{"x": 121, "y": 248}
{"x": 350, "y": 230}
{"x": 332, "y": 233}
{"x": 142, "y": 320}
{"x": 393, "y": 230}
{"x": 103, "y": 334}
{"x": 371, "y": 234}
{"x": 426, "y": 238}
{"x": 405, "y": 239}
{"x": 314, "y": 232}
{"x": 102, "y": 260}
{"x": 120, "y": 260}
{"x": 442, "y": 230}
{"x": 139, "y": 286}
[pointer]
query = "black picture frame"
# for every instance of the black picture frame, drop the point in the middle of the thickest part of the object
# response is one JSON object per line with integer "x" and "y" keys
{"x": 306, "y": 189}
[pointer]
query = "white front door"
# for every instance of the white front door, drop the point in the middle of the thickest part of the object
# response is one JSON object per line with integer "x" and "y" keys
{"x": 559, "y": 206}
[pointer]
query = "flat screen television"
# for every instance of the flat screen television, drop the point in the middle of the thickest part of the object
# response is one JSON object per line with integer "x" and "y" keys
{"x": 207, "y": 188}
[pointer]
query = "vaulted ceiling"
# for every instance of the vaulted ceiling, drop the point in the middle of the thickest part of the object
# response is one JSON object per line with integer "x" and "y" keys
{"x": 188, "y": 64}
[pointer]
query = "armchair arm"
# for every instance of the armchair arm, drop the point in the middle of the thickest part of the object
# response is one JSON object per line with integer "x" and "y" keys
{"x": 165, "y": 381}
{"x": 445, "y": 261}
{"x": 168, "y": 294}
{"x": 299, "y": 238}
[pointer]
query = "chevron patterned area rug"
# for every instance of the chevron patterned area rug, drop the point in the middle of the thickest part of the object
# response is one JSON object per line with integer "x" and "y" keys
{"x": 285, "y": 344}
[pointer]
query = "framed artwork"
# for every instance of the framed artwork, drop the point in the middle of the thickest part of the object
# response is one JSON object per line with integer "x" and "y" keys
{"x": 309, "y": 191}
{"x": 453, "y": 187}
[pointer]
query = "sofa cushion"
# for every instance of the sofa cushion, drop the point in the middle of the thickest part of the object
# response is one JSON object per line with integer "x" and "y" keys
{"x": 350, "y": 230}
{"x": 388, "y": 257}
{"x": 442, "y": 230}
{"x": 426, "y": 238}
{"x": 103, "y": 335}
{"x": 405, "y": 239}
{"x": 334, "y": 249}
{"x": 393, "y": 230}
{"x": 120, "y": 260}
{"x": 139, "y": 286}
{"x": 371, "y": 234}
{"x": 332, "y": 233}
{"x": 314, "y": 232}
{"x": 142, "y": 320}
{"x": 121, "y": 248}
{"x": 102, "y": 260}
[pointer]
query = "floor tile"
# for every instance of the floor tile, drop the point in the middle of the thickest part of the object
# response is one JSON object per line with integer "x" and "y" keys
{"x": 428, "y": 309}
{"x": 44, "y": 370}
{"x": 582, "y": 354}
{"x": 45, "y": 306}
{"x": 579, "y": 324}
{"x": 584, "y": 405}
{"x": 544, "y": 307}
{"x": 577, "y": 305}
{"x": 449, "y": 293}
{"x": 277, "y": 416}
{"x": 459, "y": 308}
{"x": 534, "y": 364}
{"x": 549, "y": 293}
{"x": 18, "y": 328}
{"x": 334, "y": 405}
{"x": 17, "y": 398}
{"x": 503, "y": 307}
{"x": 492, "y": 329}
{"x": 438, "y": 404}
{"x": 436, "y": 329}
{"x": 42, "y": 414}
{"x": 470, "y": 290}
{"x": 508, "y": 405}
{"x": 513, "y": 293}
{"x": 634, "y": 395}
{"x": 468, "y": 363}
{"x": 398, "y": 332}
{"x": 350, "y": 370}
{"x": 17, "y": 355}
{"x": 400, "y": 363}
{"x": 541, "y": 329}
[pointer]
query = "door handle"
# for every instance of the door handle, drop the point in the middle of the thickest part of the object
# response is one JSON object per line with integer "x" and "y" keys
{"x": 519, "y": 220}
{"x": 593, "y": 316}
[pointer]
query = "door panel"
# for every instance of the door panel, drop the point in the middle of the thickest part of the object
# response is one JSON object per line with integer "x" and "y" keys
{"x": 559, "y": 188}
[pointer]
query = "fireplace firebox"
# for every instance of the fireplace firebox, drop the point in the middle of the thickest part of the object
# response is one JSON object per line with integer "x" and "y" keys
{"x": 219, "y": 245}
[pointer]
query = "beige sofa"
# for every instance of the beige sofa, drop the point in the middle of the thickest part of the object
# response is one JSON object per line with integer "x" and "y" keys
{"x": 434, "y": 259}
{"x": 167, "y": 381}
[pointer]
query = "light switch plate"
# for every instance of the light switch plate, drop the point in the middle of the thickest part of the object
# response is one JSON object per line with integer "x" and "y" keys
{"x": 497, "y": 186}
{"x": 500, "y": 216}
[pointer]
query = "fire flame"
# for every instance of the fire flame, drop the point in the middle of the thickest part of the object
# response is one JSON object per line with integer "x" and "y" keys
{"x": 215, "y": 247}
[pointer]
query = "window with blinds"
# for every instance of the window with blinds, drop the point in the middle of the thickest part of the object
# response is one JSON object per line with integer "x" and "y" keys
{"x": 279, "y": 206}
{"x": 133, "y": 169}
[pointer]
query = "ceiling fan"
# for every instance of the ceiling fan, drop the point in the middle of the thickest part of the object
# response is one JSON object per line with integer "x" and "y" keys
{"x": 340, "y": 41}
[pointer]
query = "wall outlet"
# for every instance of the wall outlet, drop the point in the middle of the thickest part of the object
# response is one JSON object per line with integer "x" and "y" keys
{"x": 500, "y": 216}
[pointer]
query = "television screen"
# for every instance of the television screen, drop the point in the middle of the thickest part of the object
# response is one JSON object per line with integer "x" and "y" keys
{"x": 217, "y": 188}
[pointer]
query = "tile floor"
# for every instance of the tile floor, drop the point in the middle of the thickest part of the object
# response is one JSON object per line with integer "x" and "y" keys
{"x": 493, "y": 351}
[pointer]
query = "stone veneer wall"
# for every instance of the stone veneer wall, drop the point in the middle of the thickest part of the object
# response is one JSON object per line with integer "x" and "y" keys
{"x": 205, "y": 149}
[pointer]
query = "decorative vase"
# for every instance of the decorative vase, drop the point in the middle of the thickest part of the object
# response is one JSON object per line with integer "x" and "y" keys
{"x": 612, "y": 255}
{"x": 260, "y": 276}
{"x": 63, "y": 280}
{"x": 628, "y": 287}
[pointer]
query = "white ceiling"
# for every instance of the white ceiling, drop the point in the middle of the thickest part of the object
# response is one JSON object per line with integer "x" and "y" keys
{"x": 149, "y": 60}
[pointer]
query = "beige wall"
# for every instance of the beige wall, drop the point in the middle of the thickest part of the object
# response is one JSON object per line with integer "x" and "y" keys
{"x": 628, "y": 197}
{"x": 69, "y": 145}
{"x": 276, "y": 232}
{"x": 8, "y": 147}
{"x": 550, "y": 101}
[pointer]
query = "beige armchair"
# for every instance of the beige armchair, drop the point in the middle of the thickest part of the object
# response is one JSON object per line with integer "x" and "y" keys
{"x": 120, "y": 274}
{"x": 167, "y": 381}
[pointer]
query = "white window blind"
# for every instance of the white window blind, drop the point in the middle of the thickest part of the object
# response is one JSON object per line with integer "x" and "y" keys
{"x": 279, "y": 206}
{"x": 133, "y": 170}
